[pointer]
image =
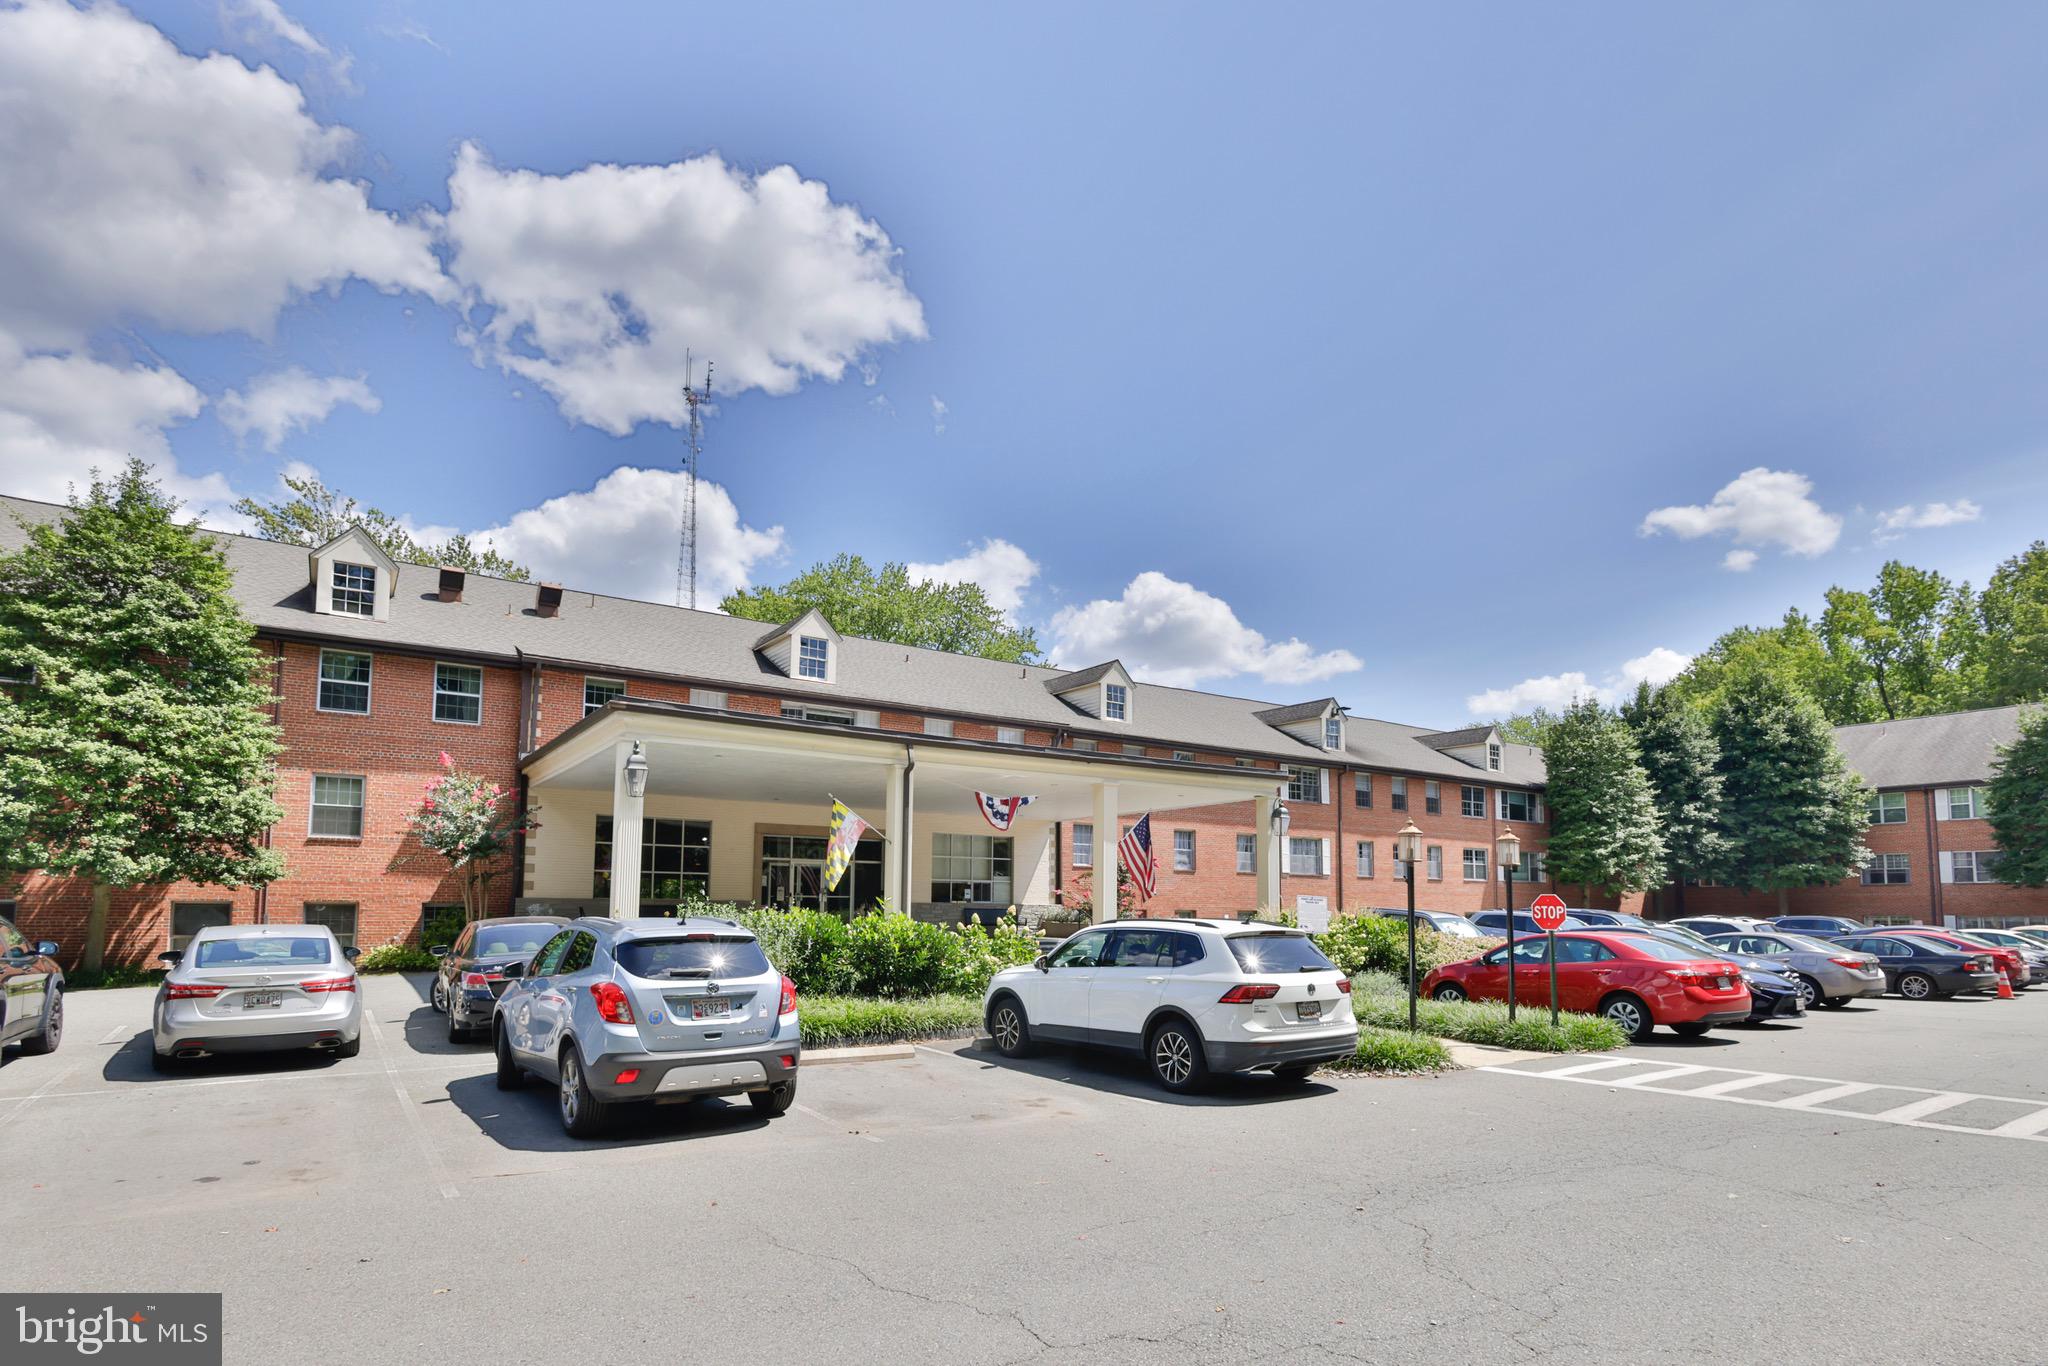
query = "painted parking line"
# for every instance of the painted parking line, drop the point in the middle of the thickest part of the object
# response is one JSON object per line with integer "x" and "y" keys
{"x": 1814, "y": 1096}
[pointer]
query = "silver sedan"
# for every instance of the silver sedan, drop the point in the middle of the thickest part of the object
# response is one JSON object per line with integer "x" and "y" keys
{"x": 257, "y": 989}
{"x": 1828, "y": 974}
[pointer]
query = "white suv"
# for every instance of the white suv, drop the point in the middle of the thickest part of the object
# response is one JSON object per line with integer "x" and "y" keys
{"x": 1193, "y": 996}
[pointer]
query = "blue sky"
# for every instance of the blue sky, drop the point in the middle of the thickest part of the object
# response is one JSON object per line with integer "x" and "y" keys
{"x": 1314, "y": 349}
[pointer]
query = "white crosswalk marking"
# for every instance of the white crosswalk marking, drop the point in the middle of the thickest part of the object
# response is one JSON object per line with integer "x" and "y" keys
{"x": 1919, "y": 1108}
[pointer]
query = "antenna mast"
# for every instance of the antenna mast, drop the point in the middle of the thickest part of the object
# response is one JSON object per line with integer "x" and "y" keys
{"x": 686, "y": 549}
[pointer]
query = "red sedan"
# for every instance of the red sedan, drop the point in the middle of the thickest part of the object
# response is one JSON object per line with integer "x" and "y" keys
{"x": 2015, "y": 966}
{"x": 1634, "y": 980}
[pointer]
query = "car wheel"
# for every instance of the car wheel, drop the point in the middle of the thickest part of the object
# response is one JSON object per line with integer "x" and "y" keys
{"x": 774, "y": 1101}
{"x": 1916, "y": 986}
{"x": 440, "y": 1000}
{"x": 1296, "y": 1073}
{"x": 1810, "y": 992}
{"x": 510, "y": 1076}
{"x": 1447, "y": 991}
{"x": 46, "y": 1039}
{"x": 1008, "y": 1027}
{"x": 1631, "y": 1014}
{"x": 1175, "y": 1053}
{"x": 583, "y": 1114}
{"x": 456, "y": 1033}
{"x": 1691, "y": 1029}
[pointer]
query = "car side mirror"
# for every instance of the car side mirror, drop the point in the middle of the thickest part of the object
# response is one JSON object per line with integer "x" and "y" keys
{"x": 172, "y": 956}
{"x": 351, "y": 952}
{"x": 439, "y": 950}
{"x": 47, "y": 948}
{"x": 1043, "y": 962}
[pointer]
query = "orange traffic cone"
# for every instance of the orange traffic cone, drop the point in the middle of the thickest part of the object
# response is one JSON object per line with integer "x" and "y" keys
{"x": 2004, "y": 986}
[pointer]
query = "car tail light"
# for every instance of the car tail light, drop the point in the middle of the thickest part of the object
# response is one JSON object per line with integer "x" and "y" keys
{"x": 789, "y": 1059}
{"x": 1344, "y": 985}
{"x": 629, "y": 1076}
{"x": 1249, "y": 991}
{"x": 612, "y": 1005}
{"x": 190, "y": 991}
{"x": 788, "y": 997}
{"x": 1847, "y": 962}
{"x": 475, "y": 979}
{"x": 329, "y": 984}
{"x": 1685, "y": 977}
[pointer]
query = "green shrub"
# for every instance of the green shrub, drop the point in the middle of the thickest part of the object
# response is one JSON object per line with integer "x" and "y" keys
{"x": 1486, "y": 1022}
{"x": 830, "y": 1021}
{"x": 396, "y": 958}
{"x": 894, "y": 955}
{"x": 809, "y": 947}
{"x": 442, "y": 926}
{"x": 111, "y": 977}
{"x": 1379, "y": 943}
{"x": 979, "y": 954}
{"x": 1395, "y": 1050}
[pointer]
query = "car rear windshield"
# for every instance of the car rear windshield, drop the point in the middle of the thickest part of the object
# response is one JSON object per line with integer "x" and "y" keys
{"x": 1664, "y": 951}
{"x": 1278, "y": 953}
{"x": 267, "y": 951}
{"x": 503, "y": 939}
{"x": 693, "y": 956}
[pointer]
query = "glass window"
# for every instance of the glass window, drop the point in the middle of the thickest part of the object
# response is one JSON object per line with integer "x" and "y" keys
{"x": 1361, "y": 790}
{"x": 1009, "y": 735}
{"x": 598, "y": 691}
{"x": 697, "y": 956}
{"x": 1116, "y": 702}
{"x": 1304, "y": 784}
{"x": 337, "y": 806}
{"x": 1435, "y": 856}
{"x": 793, "y": 874}
{"x": 1183, "y": 851}
{"x": 1887, "y": 808}
{"x": 1143, "y": 948}
{"x": 1365, "y": 858}
{"x": 1304, "y": 856}
{"x": 1886, "y": 870}
{"x": 714, "y": 698}
{"x": 824, "y": 716}
{"x": 1475, "y": 865}
{"x": 1397, "y": 793}
{"x": 1432, "y": 798}
{"x": 970, "y": 869}
{"x": 938, "y": 725}
{"x": 459, "y": 694}
{"x": 1582, "y": 951}
{"x": 1084, "y": 950}
{"x": 675, "y": 859}
{"x": 1083, "y": 744}
{"x": 1965, "y": 803}
{"x": 1247, "y": 853}
{"x": 355, "y": 589}
{"x": 812, "y": 655}
{"x": 1520, "y": 806}
{"x": 190, "y": 917}
{"x": 550, "y": 958}
{"x": 1182, "y": 756}
{"x": 344, "y": 682}
{"x": 1530, "y": 867}
{"x": 1493, "y": 756}
{"x": 1333, "y": 731}
{"x": 1084, "y": 845}
{"x": 582, "y": 950}
{"x": 1472, "y": 801}
{"x": 338, "y": 916}
{"x": 1976, "y": 867}
{"x": 496, "y": 941}
{"x": 1278, "y": 952}
{"x": 269, "y": 950}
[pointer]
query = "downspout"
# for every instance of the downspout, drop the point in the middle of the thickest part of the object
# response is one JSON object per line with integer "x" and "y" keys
{"x": 1933, "y": 859}
{"x": 1337, "y": 854}
{"x": 262, "y": 911}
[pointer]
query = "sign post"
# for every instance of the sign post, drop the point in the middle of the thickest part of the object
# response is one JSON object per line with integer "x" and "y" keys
{"x": 1548, "y": 911}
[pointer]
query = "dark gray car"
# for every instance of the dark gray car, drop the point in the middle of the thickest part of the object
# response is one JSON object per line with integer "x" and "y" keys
{"x": 476, "y": 967}
{"x": 1828, "y": 974}
{"x": 1923, "y": 969}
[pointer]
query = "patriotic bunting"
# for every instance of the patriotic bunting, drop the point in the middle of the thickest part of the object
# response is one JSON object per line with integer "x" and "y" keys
{"x": 1000, "y": 811}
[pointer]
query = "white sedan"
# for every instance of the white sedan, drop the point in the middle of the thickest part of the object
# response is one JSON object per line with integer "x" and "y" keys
{"x": 258, "y": 989}
{"x": 1191, "y": 996}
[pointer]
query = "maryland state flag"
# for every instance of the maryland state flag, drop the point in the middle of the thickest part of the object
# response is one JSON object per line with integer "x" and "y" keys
{"x": 847, "y": 829}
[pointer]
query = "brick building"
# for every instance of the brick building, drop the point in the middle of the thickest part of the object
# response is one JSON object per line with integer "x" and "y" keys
{"x": 1933, "y": 852}
{"x": 743, "y": 732}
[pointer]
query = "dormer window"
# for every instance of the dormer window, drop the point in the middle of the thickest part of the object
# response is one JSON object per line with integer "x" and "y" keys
{"x": 1116, "y": 702}
{"x": 813, "y": 654}
{"x": 1493, "y": 756}
{"x": 1333, "y": 731}
{"x": 354, "y": 590}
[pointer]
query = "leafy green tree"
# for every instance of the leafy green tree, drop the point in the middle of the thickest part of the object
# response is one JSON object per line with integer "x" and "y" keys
{"x": 1914, "y": 641}
{"x": 888, "y": 605}
{"x": 136, "y": 746}
{"x": 316, "y": 514}
{"x": 2019, "y": 803}
{"x": 1793, "y": 650}
{"x": 2014, "y": 610}
{"x": 1793, "y": 813}
{"x": 1683, "y": 763}
{"x": 1603, "y": 812}
{"x": 1527, "y": 727}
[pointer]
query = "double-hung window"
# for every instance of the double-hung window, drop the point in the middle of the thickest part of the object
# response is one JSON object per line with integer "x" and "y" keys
{"x": 1965, "y": 803}
{"x": 337, "y": 806}
{"x": 1084, "y": 845}
{"x": 1432, "y": 797}
{"x": 1974, "y": 867}
{"x": 1304, "y": 856}
{"x": 1886, "y": 808}
{"x": 1435, "y": 854}
{"x": 1516, "y": 805}
{"x": 1247, "y": 853}
{"x": 354, "y": 589}
{"x": 1333, "y": 731}
{"x": 813, "y": 655}
{"x": 1472, "y": 800}
{"x": 344, "y": 682}
{"x": 1365, "y": 858}
{"x": 1475, "y": 865}
{"x": 1397, "y": 793}
{"x": 1493, "y": 755}
{"x": 1530, "y": 868}
{"x": 1304, "y": 784}
{"x": 459, "y": 694}
{"x": 598, "y": 691}
{"x": 1361, "y": 790}
{"x": 1887, "y": 870}
{"x": 1183, "y": 851}
{"x": 1116, "y": 702}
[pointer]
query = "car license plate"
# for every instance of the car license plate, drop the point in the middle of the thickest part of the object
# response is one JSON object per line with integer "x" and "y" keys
{"x": 710, "y": 1007}
{"x": 1721, "y": 982}
{"x": 262, "y": 1000}
{"x": 1308, "y": 1010}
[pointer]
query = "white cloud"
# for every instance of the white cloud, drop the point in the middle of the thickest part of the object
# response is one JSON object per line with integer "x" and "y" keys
{"x": 1739, "y": 561}
{"x": 1555, "y": 692}
{"x": 938, "y": 416}
{"x": 291, "y": 400}
{"x": 1003, "y": 570}
{"x": 594, "y": 283}
{"x": 620, "y": 537}
{"x": 1758, "y": 507}
{"x": 1894, "y": 524}
{"x": 264, "y": 20}
{"x": 1170, "y": 632}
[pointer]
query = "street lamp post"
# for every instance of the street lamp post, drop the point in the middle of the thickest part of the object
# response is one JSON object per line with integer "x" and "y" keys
{"x": 1283, "y": 820}
{"x": 1408, "y": 848}
{"x": 1509, "y": 850}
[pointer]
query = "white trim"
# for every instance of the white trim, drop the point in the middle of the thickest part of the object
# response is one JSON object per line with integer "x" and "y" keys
{"x": 589, "y": 679}
{"x": 369, "y": 685}
{"x": 435, "y": 705}
{"x": 362, "y": 781}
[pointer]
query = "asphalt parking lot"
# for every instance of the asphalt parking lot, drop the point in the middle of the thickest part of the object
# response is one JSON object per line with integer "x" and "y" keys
{"x": 956, "y": 1207}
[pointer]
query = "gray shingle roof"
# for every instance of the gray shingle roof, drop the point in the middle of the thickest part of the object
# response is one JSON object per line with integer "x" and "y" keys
{"x": 1457, "y": 739}
{"x": 1928, "y": 751}
{"x": 496, "y": 619}
{"x": 1066, "y": 680}
{"x": 1298, "y": 711}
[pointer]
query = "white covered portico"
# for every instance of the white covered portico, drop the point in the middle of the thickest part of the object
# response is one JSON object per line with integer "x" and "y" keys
{"x": 737, "y": 806}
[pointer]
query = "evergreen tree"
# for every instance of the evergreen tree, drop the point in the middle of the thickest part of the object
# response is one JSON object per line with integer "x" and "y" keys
{"x": 1793, "y": 813}
{"x": 2019, "y": 803}
{"x": 1683, "y": 763}
{"x": 1603, "y": 814}
{"x": 136, "y": 745}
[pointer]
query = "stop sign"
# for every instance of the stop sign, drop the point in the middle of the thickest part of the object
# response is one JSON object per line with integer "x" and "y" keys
{"x": 1548, "y": 910}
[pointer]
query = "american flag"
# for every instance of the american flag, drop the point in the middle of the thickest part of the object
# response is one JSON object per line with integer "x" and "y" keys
{"x": 1134, "y": 851}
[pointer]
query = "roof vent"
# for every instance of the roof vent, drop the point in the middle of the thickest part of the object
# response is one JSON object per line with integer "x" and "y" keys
{"x": 549, "y": 602}
{"x": 451, "y": 583}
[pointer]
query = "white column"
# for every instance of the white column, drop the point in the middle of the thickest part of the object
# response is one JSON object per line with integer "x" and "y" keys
{"x": 896, "y": 853}
{"x": 1270, "y": 853}
{"x": 626, "y": 811}
{"x": 1107, "y": 834}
